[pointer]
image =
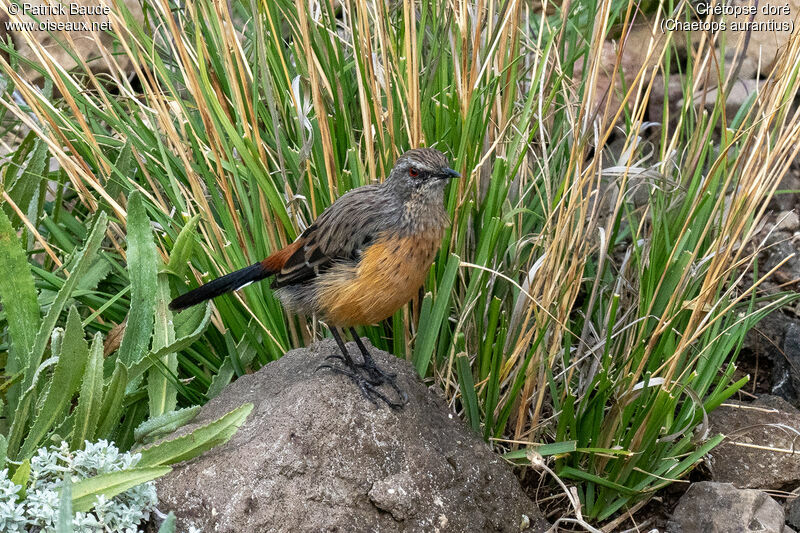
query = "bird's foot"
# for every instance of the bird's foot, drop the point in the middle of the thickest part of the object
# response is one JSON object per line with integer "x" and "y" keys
{"x": 379, "y": 377}
{"x": 368, "y": 388}
{"x": 376, "y": 375}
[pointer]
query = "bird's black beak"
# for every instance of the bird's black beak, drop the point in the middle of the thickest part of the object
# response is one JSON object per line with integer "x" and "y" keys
{"x": 449, "y": 173}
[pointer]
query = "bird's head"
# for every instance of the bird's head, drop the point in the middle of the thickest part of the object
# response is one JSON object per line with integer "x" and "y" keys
{"x": 421, "y": 173}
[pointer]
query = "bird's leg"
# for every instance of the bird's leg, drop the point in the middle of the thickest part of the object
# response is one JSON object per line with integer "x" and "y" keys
{"x": 369, "y": 363}
{"x": 374, "y": 371}
{"x": 345, "y": 357}
{"x": 368, "y": 388}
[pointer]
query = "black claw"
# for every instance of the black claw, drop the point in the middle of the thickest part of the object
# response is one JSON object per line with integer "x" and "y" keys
{"x": 375, "y": 374}
{"x": 379, "y": 377}
{"x": 378, "y": 374}
{"x": 368, "y": 387}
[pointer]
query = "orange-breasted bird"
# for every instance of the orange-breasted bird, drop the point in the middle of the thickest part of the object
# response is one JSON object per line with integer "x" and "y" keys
{"x": 362, "y": 259}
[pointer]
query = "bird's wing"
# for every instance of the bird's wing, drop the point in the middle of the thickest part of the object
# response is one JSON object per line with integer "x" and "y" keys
{"x": 338, "y": 235}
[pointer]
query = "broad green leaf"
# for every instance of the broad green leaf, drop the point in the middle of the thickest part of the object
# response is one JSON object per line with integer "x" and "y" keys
{"x": 203, "y": 314}
{"x": 162, "y": 392}
{"x": 169, "y": 524}
{"x": 97, "y": 272}
{"x": 66, "y": 380}
{"x": 245, "y": 351}
{"x": 198, "y": 441}
{"x": 51, "y": 318}
{"x": 142, "y": 269}
{"x": 111, "y": 406}
{"x": 21, "y": 477}
{"x": 123, "y": 169}
{"x": 222, "y": 378}
{"x": 188, "y": 339}
{"x": 90, "y": 401}
{"x": 3, "y": 451}
{"x": 188, "y": 320}
{"x": 86, "y": 491}
{"x": 165, "y": 424}
{"x": 183, "y": 247}
{"x": 65, "y": 506}
{"x": 23, "y": 190}
{"x": 20, "y": 421}
{"x": 18, "y": 296}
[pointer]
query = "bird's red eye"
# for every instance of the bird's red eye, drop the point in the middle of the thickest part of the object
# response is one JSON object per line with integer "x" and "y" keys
{"x": 413, "y": 172}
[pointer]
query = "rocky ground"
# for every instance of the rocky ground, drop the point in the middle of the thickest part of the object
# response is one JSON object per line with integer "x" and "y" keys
{"x": 314, "y": 455}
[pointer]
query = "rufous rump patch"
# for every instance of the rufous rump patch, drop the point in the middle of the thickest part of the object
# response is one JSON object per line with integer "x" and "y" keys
{"x": 274, "y": 263}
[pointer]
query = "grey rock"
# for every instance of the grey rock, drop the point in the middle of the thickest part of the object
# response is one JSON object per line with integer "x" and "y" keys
{"x": 791, "y": 353}
{"x": 776, "y": 338}
{"x": 789, "y": 197}
{"x": 783, "y": 249}
{"x": 741, "y": 89}
{"x": 744, "y": 458}
{"x": 314, "y": 455}
{"x": 709, "y": 507}
{"x": 793, "y": 513}
{"x": 788, "y": 221}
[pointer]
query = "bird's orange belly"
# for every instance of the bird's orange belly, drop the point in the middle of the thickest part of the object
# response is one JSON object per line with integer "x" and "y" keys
{"x": 390, "y": 273}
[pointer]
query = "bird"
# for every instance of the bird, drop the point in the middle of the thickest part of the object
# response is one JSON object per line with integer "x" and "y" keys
{"x": 362, "y": 259}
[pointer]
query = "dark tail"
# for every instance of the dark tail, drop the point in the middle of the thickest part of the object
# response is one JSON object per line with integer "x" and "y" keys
{"x": 227, "y": 283}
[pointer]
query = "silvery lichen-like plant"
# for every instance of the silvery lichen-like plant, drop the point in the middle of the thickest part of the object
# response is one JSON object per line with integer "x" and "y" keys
{"x": 38, "y": 510}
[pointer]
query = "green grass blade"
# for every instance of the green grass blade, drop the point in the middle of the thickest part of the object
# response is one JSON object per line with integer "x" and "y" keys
{"x": 21, "y": 477}
{"x": 430, "y": 325}
{"x": 468, "y": 397}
